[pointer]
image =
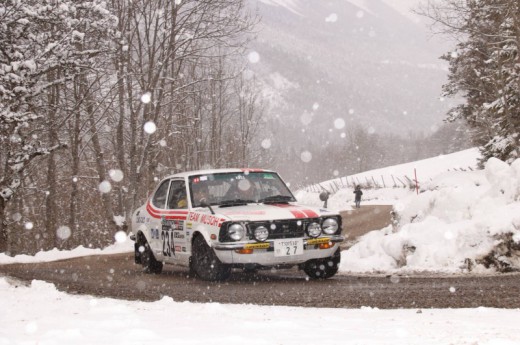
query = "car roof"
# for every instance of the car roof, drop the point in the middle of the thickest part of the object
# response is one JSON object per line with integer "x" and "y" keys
{"x": 214, "y": 171}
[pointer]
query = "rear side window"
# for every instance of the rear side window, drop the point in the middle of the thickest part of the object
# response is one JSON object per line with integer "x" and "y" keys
{"x": 159, "y": 198}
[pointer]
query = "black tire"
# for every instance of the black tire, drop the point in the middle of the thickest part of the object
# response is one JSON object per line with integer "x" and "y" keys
{"x": 204, "y": 262}
{"x": 323, "y": 268}
{"x": 148, "y": 260}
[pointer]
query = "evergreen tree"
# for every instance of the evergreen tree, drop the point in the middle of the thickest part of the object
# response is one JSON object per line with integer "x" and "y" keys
{"x": 485, "y": 68}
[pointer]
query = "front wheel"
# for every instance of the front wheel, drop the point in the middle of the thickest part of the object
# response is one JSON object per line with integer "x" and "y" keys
{"x": 323, "y": 268}
{"x": 148, "y": 260}
{"x": 204, "y": 262}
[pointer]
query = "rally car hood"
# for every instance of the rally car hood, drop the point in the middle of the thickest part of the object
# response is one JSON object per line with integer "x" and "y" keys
{"x": 259, "y": 212}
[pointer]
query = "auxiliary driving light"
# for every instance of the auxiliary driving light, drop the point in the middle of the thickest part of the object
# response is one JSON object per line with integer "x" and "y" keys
{"x": 314, "y": 229}
{"x": 261, "y": 233}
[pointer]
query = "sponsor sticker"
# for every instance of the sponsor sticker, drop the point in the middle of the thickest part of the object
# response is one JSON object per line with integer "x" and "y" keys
{"x": 318, "y": 240}
{"x": 256, "y": 246}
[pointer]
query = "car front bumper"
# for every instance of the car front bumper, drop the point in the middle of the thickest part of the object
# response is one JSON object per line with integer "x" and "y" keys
{"x": 262, "y": 253}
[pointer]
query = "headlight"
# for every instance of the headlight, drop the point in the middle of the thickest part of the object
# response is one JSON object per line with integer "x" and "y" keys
{"x": 261, "y": 233}
{"x": 236, "y": 231}
{"x": 330, "y": 226}
{"x": 314, "y": 229}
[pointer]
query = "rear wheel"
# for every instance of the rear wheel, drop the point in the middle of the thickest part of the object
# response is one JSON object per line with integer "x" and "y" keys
{"x": 204, "y": 262}
{"x": 150, "y": 264}
{"x": 323, "y": 268}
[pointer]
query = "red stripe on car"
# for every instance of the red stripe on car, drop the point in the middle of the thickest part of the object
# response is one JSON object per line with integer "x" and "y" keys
{"x": 168, "y": 214}
{"x": 296, "y": 213}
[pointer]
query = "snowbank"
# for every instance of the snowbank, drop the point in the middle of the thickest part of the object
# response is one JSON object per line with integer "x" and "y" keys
{"x": 121, "y": 246}
{"x": 461, "y": 221}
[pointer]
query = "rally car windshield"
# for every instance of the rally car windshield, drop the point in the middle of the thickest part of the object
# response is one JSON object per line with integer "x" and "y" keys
{"x": 233, "y": 189}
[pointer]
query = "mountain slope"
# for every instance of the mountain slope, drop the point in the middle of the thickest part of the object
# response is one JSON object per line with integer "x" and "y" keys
{"x": 362, "y": 61}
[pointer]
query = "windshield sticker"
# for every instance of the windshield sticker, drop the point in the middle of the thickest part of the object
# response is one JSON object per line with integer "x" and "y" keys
{"x": 269, "y": 176}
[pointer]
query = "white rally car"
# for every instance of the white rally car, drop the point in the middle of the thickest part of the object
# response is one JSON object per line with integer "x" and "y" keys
{"x": 214, "y": 220}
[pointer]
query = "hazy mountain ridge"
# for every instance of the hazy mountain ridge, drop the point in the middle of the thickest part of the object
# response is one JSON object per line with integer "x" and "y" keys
{"x": 363, "y": 61}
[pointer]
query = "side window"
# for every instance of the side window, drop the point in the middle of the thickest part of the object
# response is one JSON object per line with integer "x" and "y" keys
{"x": 159, "y": 198}
{"x": 177, "y": 196}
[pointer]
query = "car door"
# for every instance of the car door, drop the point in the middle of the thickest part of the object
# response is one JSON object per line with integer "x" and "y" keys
{"x": 158, "y": 204}
{"x": 174, "y": 223}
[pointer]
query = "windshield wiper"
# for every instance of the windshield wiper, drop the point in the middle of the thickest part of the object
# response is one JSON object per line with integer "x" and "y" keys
{"x": 277, "y": 198}
{"x": 235, "y": 202}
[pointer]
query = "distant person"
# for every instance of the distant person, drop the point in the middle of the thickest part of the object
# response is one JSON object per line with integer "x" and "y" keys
{"x": 358, "y": 193}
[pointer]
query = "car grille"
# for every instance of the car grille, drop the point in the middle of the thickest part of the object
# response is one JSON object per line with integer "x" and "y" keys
{"x": 290, "y": 228}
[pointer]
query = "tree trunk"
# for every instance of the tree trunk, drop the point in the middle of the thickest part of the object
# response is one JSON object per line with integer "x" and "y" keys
{"x": 99, "y": 156}
{"x": 75, "y": 152}
{"x": 50, "y": 200}
{"x": 4, "y": 238}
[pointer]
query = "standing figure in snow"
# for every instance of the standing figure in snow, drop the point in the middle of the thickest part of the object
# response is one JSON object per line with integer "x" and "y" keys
{"x": 358, "y": 193}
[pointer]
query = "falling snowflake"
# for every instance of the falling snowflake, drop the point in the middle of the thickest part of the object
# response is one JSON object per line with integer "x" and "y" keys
{"x": 339, "y": 123}
{"x": 448, "y": 235}
{"x": 253, "y": 57}
{"x": 105, "y": 187}
{"x": 266, "y": 143}
{"x": 120, "y": 236}
{"x": 332, "y": 18}
{"x": 150, "y": 127}
{"x": 63, "y": 232}
{"x": 29, "y": 225}
{"x": 306, "y": 118}
{"x": 306, "y": 156}
{"x": 146, "y": 97}
{"x": 116, "y": 175}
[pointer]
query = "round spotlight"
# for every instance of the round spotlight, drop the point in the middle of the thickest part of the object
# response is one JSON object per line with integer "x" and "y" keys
{"x": 261, "y": 233}
{"x": 314, "y": 229}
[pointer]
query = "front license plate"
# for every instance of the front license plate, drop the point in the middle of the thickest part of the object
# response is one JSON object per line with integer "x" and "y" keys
{"x": 288, "y": 247}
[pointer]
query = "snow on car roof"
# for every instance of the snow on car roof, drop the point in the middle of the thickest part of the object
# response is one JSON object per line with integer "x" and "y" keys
{"x": 215, "y": 171}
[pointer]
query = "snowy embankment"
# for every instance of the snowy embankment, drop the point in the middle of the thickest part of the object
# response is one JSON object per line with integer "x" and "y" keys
{"x": 460, "y": 221}
{"x": 394, "y": 181}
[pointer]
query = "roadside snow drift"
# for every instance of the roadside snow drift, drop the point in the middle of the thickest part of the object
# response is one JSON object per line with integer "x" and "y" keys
{"x": 461, "y": 221}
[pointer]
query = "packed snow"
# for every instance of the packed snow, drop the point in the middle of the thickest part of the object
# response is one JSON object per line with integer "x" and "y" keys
{"x": 39, "y": 314}
{"x": 457, "y": 215}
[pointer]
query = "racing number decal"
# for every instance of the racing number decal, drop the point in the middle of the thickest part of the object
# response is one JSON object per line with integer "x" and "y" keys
{"x": 168, "y": 247}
